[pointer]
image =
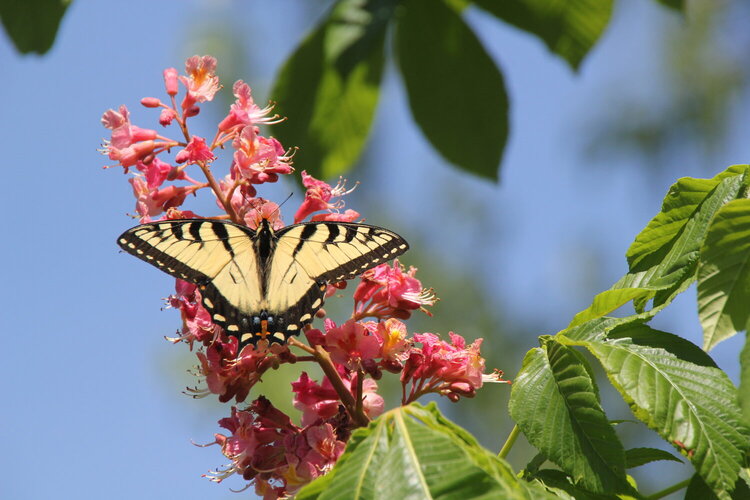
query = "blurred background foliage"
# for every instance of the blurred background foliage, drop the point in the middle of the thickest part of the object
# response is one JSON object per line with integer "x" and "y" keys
{"x": 701, "y": 78}
{"x": 663, "y": 97}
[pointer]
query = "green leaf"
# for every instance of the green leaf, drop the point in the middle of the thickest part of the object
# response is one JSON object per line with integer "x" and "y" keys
{"x": 562, "y": 485}
{"x": 699, "y": 490}
{"x": 608, "y": 301}
{"x": 635, "y": 457}
{"x": 674, "y": 261}
{"x": 32, "y": 24}
{"x": 569, "y": 28}
{"x": 555, "y": 402}
{"x": 414, "y": 452}
{"x": 664, "y": 256}
{"x": 329, "y": 87}
{"x": 682, "y": 204}
{"x": 724, "y": 274}
{"x": 677, "y": 390}
{"x": 456, "y": 92}
{"x": 365, "y": 447}
{"x": 593, "y": 329}
{"x": 744, "y": 390}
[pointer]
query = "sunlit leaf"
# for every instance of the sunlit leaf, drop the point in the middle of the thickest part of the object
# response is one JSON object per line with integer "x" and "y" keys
{"x": 674, "y": 263}
{"x": 569, "y": 28}
{"x": 681, "y": 205}
{"x": 592, "y": 329}
{"x": 456, "y": 92}
{"x": 329, "y": 87}
{"x": 32, "y": 24}
{"x": 608, "y": 301}
{"x": 556, "y": 404}
{"x": 664, "y": 256}
{"x": 676, "y": 389}
{"x": 413, "y": 452}
{"x": 724, "y": 274}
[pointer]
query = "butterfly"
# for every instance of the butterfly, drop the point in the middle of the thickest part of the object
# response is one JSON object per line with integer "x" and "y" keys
{"x": 261, "y": 284}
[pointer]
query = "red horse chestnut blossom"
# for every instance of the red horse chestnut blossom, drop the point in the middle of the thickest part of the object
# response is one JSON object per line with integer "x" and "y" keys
{"x": 386, "y": 291}
{"x": 318, "y": 197}
{"x": 266, "y": 448}
{"x": 263, "y": 444}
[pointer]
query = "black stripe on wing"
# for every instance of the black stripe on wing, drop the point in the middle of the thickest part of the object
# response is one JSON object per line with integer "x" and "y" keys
{"x": 337, "y": 251}
{"x": 180, "y": 247}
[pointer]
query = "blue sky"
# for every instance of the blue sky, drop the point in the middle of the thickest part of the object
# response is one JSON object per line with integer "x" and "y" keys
{"x": 92, "y": 403}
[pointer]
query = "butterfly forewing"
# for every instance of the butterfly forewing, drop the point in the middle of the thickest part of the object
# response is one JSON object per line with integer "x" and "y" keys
{"x": 336, "y": 251}
{"x": 193, "y": 250}
{"x": 218, "y": 257}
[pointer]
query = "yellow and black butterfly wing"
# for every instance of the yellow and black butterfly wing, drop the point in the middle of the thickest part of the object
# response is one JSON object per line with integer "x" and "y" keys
{"x": 293, "y": 297}
{"x": 337, "y": 251}
{"x": 310, "y": 255}
{"x": 217, "y": 256}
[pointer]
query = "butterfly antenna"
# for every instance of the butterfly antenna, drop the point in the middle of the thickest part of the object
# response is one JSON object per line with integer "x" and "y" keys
{"x": 282, "y": 204}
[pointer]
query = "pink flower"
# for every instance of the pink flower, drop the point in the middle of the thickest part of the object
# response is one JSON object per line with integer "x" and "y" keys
{"x": 315, "y": 337}
{"x": 258, "y": 159}
{"x": 325, "y": 449}
{"x": 240, "y": 195}
{"x": 255, "y": 433}
{"x": 386, "y": 291}
{"x": 318, "y": 197}
{"x": 166, "y": 116}
{"x": 261, "y": 209}
{"x": 157, "y": 171}
{"x": 230, "y": 375}
{"x": 316, "y": 402}
{"x": 128, "y": 143}
{"x": 201, "y": 81}
{"x": 249, "y": 208}
{"x": 347, "y": 216}
{"x": 451, "y": 370}
{"x": 274, "y": 454}
{"x": 175, "y": 214}
{"x": 244, "y": 111}
{"x": 196, "y": 320}
{"x": 152, "y": 202}
{"x": 195, "y": 151}
{"x": 320, "y": 402}
{"x": 394, "y": 346}
{"x": 350, "y": 344}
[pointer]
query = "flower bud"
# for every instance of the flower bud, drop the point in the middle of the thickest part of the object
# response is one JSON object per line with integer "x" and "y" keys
{"x": 166, "y": 116}
{"x": 150, "y": 102}
{"x": 170, "y": 81}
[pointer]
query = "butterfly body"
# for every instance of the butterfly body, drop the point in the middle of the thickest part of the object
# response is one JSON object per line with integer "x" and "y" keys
{"x": 261, "y": 284}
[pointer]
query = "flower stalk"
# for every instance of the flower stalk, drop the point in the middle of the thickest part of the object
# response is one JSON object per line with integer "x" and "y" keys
{"x": 265, "y": 447}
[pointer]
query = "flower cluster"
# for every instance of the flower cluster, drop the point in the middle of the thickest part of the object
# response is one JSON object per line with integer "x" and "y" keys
{"x": 267, "y": 449}
{"x": 263, "y": 445}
